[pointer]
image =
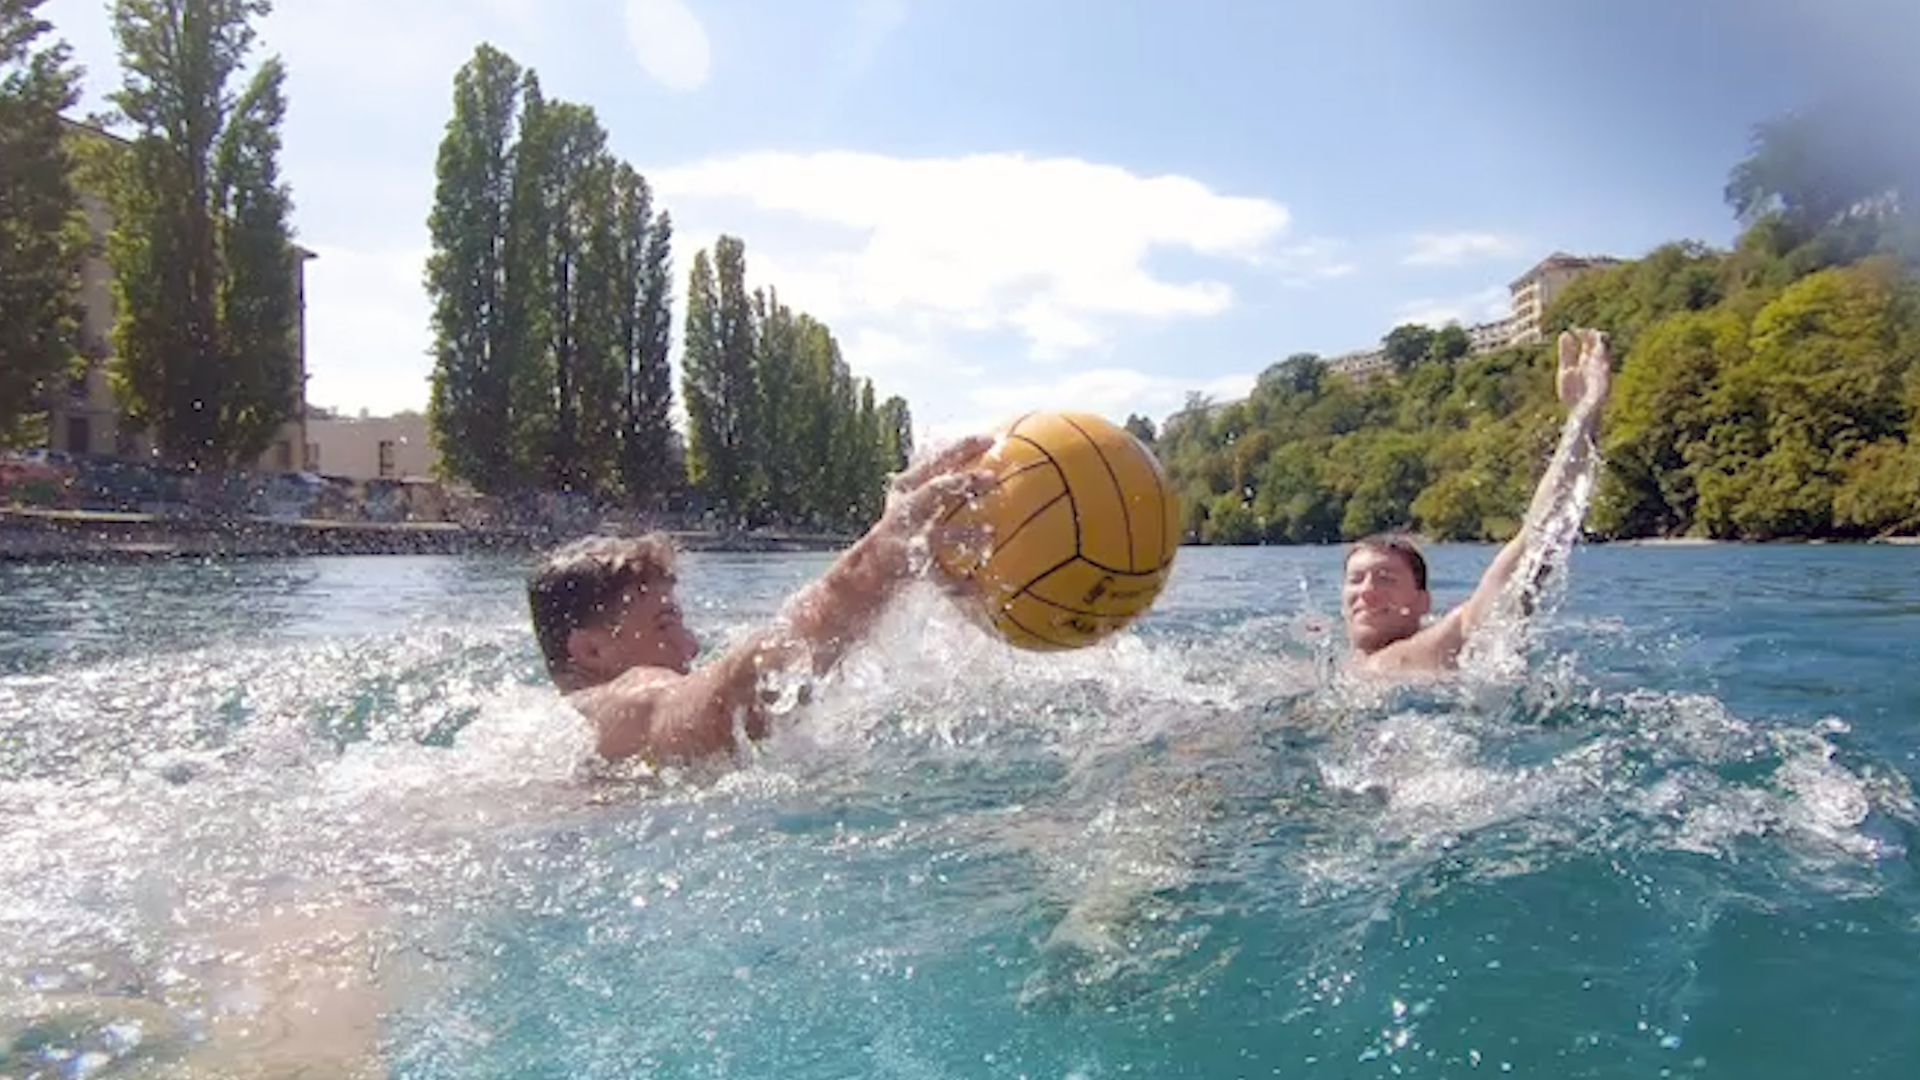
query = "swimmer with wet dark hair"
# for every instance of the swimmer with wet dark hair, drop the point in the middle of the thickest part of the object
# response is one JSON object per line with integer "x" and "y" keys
{"x": 616, "y": 643}
{"x": 1383, "y": 594}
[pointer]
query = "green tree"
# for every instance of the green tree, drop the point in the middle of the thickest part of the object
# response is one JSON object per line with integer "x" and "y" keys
{"x": 1876, "y": 493}
{"x": 644, "y": 322}
{"x": 201, "y": 253}
{"x": 776, "y": 368}
{"x": 1450, "y": 343}
{"x": 717, "y": 378}
{"x": 896, "y": 434}
{"x": 746, "y": 485}
{"x": 471, "y": 408}
{"x": 1294, "y": 499}
{"x": 1392, "y": 471}
{"x": 1819, "y": 383}
{"x": 1140, "y": 427}
{"x": 42, "y": 236}
{"x": 813, "y": 404}
{"x": 569, "y": 236}
{"x": 525, "y": 356}
{"x": 1299, "y": 374}
{"x": 866, "y": 466}
{"x": 259, "y": 302}
{"x": 842, "y": 447}
{"x": 1821, "y": 166}
{"x": 1407, "y": 345}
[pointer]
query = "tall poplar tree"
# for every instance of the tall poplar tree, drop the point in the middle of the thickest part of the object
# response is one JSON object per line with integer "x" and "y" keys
{"x": 258, "y": 306}
{"x": 205, "y": 339}
{"x": 42, "y": 237}
{"x": 722, "y": 396}
{"x": 553, "y": 280}
{"x": 867, "y": 466}
{"x": 568, "y": 190}
{"x": 896, "y": 434}
{"x": 471, "y": 408}
{"x": 526, "y": 301}
{"x": 710, "y": 446}
{"x": 739, "y": 344}
{"x": 643, "y": 317}
{"x": 776, "y": 369}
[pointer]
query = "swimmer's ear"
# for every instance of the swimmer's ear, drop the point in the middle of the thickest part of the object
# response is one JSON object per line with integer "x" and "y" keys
{"x": 584, "y": 646}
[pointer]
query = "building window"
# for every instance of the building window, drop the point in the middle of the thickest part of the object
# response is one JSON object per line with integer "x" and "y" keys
{"x": 283, "y": 456}
{"x": 79, "y": 435}
{"x": 386, "y": 459}
{"x": 313, "y": 457}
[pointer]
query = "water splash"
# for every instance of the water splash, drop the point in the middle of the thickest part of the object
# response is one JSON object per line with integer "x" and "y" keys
{"x": 1137, "y": 853}
{"x": 1501, "y": 649}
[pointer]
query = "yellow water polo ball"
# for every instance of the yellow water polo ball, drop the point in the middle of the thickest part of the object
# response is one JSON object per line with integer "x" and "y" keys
{"x": 1082, "y": 528}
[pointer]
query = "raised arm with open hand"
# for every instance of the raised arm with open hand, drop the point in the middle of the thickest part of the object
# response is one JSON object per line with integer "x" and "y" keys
{"x": 1584, "y": 380}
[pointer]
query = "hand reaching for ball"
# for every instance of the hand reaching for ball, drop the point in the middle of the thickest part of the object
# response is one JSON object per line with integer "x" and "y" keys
{"x": 921, "y": 497}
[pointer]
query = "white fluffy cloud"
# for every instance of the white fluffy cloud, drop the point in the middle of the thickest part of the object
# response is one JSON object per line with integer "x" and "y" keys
{"x": 990, "y": 284}
{"x": 668, "y": 40}
{"x": 1490, "y": 303}
{"x": 1460, "y": 248}
{"x": 1054, "y": 250}
{"x": 1111, "y": 392}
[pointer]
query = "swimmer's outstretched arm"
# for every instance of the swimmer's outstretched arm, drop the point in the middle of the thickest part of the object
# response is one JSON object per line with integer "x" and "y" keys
{"x": 1584, "y": 381}
{"x": 662, "y": 715}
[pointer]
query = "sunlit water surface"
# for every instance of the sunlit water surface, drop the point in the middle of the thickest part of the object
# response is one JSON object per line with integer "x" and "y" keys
{"x": 260, "y": 812}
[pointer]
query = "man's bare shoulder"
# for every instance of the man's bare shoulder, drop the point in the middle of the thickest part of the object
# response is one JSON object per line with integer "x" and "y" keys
{"x": 1432, "y": 653}
{"x": 637, "y": 687}
{"x": 636, "y": 680}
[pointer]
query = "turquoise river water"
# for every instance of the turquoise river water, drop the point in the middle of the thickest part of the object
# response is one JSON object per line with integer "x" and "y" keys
{"x": 328, "y": 810}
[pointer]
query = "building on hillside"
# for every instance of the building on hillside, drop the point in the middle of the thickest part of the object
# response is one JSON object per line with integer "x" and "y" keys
{"x": 1536, "y": 290}
{"x": 363, "y": 447}
{"x": 84, "y": 414}
{"x": 1487, "y": 336}
{"x": 1532, "y": 293}
{"x": 1361, "y": 365}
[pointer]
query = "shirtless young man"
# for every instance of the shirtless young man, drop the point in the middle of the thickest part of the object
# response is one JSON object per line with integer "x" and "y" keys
{"x": 616, "y": 645}
{"x": 1384, "y": 597}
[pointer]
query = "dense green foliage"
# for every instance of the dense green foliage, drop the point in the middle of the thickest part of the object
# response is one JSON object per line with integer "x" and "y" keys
{"x": 551, "y": 278}
{"x": 1765, "y": 392}
{"x": 206, "y": 277}
{"x": 42, "y": 236}
{"x": 781, "y": 431}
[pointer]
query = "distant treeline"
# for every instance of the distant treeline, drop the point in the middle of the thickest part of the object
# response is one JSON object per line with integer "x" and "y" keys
{"x": 552, "y": 281}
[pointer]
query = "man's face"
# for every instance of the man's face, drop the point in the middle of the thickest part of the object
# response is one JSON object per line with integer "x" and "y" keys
{"x": 645, "y": 631}
{"x": 1380, "y": 599}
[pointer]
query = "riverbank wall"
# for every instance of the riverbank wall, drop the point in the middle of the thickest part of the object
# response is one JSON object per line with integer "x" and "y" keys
{"x": 30, "y": 535}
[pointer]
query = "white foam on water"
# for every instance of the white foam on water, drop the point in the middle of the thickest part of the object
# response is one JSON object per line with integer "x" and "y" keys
{"x": 149, "y": 801}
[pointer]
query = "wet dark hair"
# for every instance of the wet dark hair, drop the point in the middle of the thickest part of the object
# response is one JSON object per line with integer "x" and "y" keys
{"x": 579, "y": 584}
{"x": 1395, "y": 544}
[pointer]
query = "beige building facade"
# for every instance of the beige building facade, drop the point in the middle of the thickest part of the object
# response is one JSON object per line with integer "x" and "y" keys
{"x": 84, "y": 416}
{"x": 1361, "y": 365}
{"x": 397, "y": 447}
{"x": 1532, "y": 294}
{"x": 1536, "y": 290}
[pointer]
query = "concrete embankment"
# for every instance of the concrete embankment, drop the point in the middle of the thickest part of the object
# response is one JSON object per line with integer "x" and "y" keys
{"x": 57, "y": 536}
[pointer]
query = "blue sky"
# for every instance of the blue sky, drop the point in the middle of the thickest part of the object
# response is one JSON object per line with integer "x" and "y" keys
{"x": 1102, "y": 204}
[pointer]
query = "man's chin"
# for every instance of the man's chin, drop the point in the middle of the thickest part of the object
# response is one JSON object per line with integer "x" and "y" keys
{"x": 1367, "y": 639}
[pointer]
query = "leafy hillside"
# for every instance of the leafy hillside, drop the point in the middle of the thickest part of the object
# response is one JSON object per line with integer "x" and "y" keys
{"x": 1765, "y": 392}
